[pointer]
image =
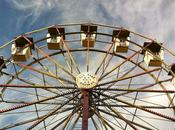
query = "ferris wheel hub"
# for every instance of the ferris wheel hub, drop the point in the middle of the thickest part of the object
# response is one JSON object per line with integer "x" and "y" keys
{"x": 86, "y": 81}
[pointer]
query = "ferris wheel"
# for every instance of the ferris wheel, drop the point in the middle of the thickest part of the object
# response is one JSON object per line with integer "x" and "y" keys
{"x": 86, "y": 76}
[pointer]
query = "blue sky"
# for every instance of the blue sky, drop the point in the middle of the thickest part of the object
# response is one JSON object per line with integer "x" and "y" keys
{"x": 153, "y": 18}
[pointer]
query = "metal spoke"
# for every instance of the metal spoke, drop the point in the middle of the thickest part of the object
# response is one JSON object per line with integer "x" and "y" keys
{"x": 45, "y": 73}
{"x": 50, "y": 113}
{"x": 113, "y": 115}
{"x": 71, "y": 57}
{"x": 95, "y": 124}
{"x": 32, "y": 120}
{"x": 75, "y": 122}
{"x": 139, "y": 107}
{"x": 140, "y": 118}
{"x": 108, "y": 51}
{"x": 32, "y": 103}
{"x": 103, "y": 61}
{"x": 120, "y": 116}
{"x": 66, "y": 120}
{"x": 114, "y": 68}
{"x": 104, "y": 121}
{"x": 56, "y": 62}
{"x": 143, "y": 88}
{"x": 128, "y": 77}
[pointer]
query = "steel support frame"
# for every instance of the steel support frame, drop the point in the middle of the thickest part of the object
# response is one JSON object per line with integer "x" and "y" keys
{"x": 85, "y": 111}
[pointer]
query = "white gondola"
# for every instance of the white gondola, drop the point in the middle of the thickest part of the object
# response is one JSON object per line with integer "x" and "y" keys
{"x": 153, "y": 54}
{"x": 121, "y": 39}
{"x": 55, "y": 37}
{"x": 20, "y": 53}
{"x": 54, "y": 42}
{"x": 154, "y": 59}
{"x": 21, "y": 48}
{"x": 88, "y": 35}
{"x": 121, "y": 46}
{"x": 88, "y": 41}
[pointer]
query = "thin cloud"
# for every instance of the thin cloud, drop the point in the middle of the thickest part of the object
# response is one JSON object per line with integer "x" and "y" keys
{"x": 152, "y": 18}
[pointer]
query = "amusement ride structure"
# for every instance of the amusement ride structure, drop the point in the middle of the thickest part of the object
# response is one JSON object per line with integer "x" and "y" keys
{"x": 86, "y": 76}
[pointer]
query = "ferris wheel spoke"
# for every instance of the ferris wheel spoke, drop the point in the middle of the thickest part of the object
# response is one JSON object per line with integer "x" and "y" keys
{"x": 46, "y": 103}
{"x": 154, "y": 105}
{"x": 32, "y": 111}
{"x": 46, "y": 69}
{"x": 129, "y": 71}
{"x": 45, "y": 73}
{"x": 112, "y": 123}
{"x": 10, "y": 86}
{"x": 105, "y": 66}
{"x": 20, "y": 123}
{"x": 142, "y": 89}
{"x": 148, "y": 110}
{"x": 136, "y": 116}
{"x": 105, "y": 123}
{"x": 139, "y": 107}
{"x": 17, "y": 77}
{"x": 40, "y": 109}
{"x": 87, "y": 52}
{"x": 55, "y": 62}
{"x": 75, "y": 122}
{"x": 70, "y": 55}
{"x": 107, "y": 53}
{"x": 137, "y": 90}
{"x": 118, "y": 65}
{"x": 66, "y": 121}
{"x": 134, "y": 123}
{"x": 103, "y": 60}
{"x": 135, "y": 111}
{"x": 171, "y": 101}
{"x": 68, "y": 118}
{"x": 51, "y": 113}
{"x": 139, "y": 116}
{"x": 59, "y": 123}
{"x": 116, "y": 119}
{"x": 95, "y": 124}
{"x": 69, "y": 63}
{"x": 63, "y": 119}
{"x": 120, "y": 116}
{"x": 102, "y": 121}
{"x": 47, "y": 88}
{"x": 32, "y": 103}
{"x": 99, "y": 123}
{"x": 118, "y": 72}
{"x": 128, "y": 77}
{"x": 36, "y": 86}
{"x": 23, "y": 122}
{"x": 32, "y": 84}
{"x": 63, "y": 111}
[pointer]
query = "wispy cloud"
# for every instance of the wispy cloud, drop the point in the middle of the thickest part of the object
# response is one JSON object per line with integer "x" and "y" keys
{"x": 153, "y": 18}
